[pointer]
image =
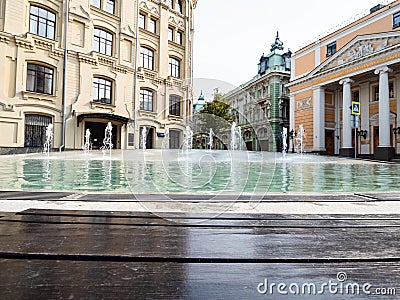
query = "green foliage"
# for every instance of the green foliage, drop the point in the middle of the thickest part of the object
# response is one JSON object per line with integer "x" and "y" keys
{"x": 218, "y": 108}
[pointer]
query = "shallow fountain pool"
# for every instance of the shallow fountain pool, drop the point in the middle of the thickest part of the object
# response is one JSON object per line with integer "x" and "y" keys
{"x": 194, "y": 171}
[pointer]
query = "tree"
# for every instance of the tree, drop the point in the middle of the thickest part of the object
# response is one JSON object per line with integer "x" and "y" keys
{"x": 218, "y": 108}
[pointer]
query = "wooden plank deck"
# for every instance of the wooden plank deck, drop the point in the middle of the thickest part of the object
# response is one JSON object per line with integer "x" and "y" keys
{"x": 51, "y": 254}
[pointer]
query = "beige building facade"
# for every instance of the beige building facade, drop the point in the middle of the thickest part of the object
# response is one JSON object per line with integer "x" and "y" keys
{"x": 359, "y": 62}
{"x": 80, "y": 64}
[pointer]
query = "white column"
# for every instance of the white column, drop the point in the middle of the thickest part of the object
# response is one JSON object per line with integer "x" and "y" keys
{"x": 397, "y": 85}
{"x": 319, "y": 119}
{"x": 364, "y": 99}
{"x": 292, "y": 121}
{"x": 384, "y": 106}
{"x": 346, "y": 137}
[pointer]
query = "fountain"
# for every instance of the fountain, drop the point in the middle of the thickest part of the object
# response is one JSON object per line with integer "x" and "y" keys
{"x": 299, "y": 140}
{"x": 284, "y": 142}
{"x": 211, "y": 139}
{"x": 49, "y": 139}
{"x": 144, "y": 138}
{"x": 107, "y": 141}
{"x": 188, "y": 139}
{"x": 236, "y": 135}
{"x": 165, "y": 143}
{"x": 87, "y": 146}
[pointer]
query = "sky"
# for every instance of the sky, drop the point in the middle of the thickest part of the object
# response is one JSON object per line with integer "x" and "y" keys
{"x": 231, "y": 35}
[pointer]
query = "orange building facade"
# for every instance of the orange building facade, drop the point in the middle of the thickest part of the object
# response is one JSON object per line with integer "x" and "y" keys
{"x": 359, "y": 62}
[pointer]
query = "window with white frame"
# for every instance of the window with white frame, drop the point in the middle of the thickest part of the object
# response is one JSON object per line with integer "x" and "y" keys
{"x": 179, "y": 37}
{"x": 142, "y": 21}
{"x": 170, "y": 34}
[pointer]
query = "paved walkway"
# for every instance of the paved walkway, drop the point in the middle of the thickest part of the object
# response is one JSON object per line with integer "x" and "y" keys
{"x": 365, "y": 203}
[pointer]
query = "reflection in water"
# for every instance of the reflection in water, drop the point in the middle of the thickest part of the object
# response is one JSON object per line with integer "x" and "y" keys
{"x": 197, "y": 172}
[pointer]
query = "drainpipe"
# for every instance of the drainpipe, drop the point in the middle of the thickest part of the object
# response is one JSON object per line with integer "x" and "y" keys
{"x": 64, "y": 95}
{"x": 135, "y": 71}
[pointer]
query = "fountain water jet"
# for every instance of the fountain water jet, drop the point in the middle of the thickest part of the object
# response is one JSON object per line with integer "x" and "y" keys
{"x": 211, "y": 139}
{"x": 49, "y": 139}
{"x": 188, "y": 139}
{"x": 144, "y": 137}
{"x": 300, "y": 140}
{"x": 87, "y": 146}
{"x": 284, "y": 142}
{"x": 107, "y": 141}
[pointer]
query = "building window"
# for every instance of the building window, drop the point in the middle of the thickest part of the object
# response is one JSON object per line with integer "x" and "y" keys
{"x": 39, "y": 79}
{"x": 35, "y": 130}
{"x": 174, "y": 139}
{"x": 146, "y": 100}
{"x": 170, "y": 34}
{"x": 179, "y": 6}
{"x": 391, "y": 90}
{"x": 171, "y": 4}
{"x": 103, "y": 41}
{"x": 110, "y": 6}
{"x": 142, "y": 21}
{"x": 179, "y": 38}
{"x": 331, "y": 49}
{"x": 174, "y": 67}
{"x": 102, "y": 90}
{"x": 356, "y": 96}
{"x": 97, "y": 3}
{"x": 396, "y": 20}
{"x": 174, "y": 106}
{"x": 42, "y": 22}
{"x": 152, "y": 26}
{"x": 375, "y": 96}
{"x": 146, "y": 58}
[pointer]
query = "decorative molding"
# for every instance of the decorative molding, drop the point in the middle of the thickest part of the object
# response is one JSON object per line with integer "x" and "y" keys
{"x": 151, "y": 9}
{"x": 23, "y": 42}
{"x": 39, "y": 97}
{"x": 97, "y": 105}
{"x": 300, "y": 104}
{"x": 127, "y": 30}
{"x": 80, "y": 12}
{"x": 87, "y": 59}
{"x": 7, "y": 107}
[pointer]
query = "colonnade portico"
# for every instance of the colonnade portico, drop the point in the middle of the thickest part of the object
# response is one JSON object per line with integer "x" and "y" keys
{"x": 347, "y": 147}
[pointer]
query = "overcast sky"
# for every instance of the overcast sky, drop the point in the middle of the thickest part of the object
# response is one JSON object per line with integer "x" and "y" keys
{"x": 231, "y": 35}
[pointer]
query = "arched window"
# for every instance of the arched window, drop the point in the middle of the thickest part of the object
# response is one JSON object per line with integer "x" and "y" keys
{"x": 42, "y": 22}
{"x": 39, "y": 79}
{"x": 174, "y": 67}
{"x": 103, "y": 41}
{"x": 102, "y": 90}
{"x": 146, "y": 58}
{"x": 146, "y": 99}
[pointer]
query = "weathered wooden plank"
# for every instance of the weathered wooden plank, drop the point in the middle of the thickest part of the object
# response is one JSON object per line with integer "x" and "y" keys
{"x": 44, "y": 279}
{"x": 200, "y": 243}
{"x": 261, "y": 222}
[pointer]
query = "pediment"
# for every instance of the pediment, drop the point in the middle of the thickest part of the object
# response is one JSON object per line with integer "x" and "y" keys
{"x": 80, "y": 11}
{"x": 358, "y": 49}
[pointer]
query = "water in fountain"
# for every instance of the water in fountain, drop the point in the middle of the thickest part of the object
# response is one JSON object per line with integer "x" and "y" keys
{"x": 144, "y": 138}
{"x": 299, "y": 140}
{"x": 87, "y": 146}
{"x": 49, "y": 139}
{"x": 233, "y": 136}
{"x": 188, "y": 139}
{"x": 165, "y": 144}
{"x": 284, "y": 141}
{"x": 211, "y": 139}
{"x": 239, "y": 133}
{"x": 107, "y": 141}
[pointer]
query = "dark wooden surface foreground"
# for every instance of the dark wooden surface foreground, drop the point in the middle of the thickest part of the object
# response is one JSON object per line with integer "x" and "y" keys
{"x": 49, "y": 254}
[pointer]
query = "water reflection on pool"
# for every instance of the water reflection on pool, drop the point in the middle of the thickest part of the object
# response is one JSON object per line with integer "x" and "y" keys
{"x": 197, "y": 171}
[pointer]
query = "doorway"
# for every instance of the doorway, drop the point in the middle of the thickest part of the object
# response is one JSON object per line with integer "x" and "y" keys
{"x": 97, "y": 134}
{"x": 330, "y": 142}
